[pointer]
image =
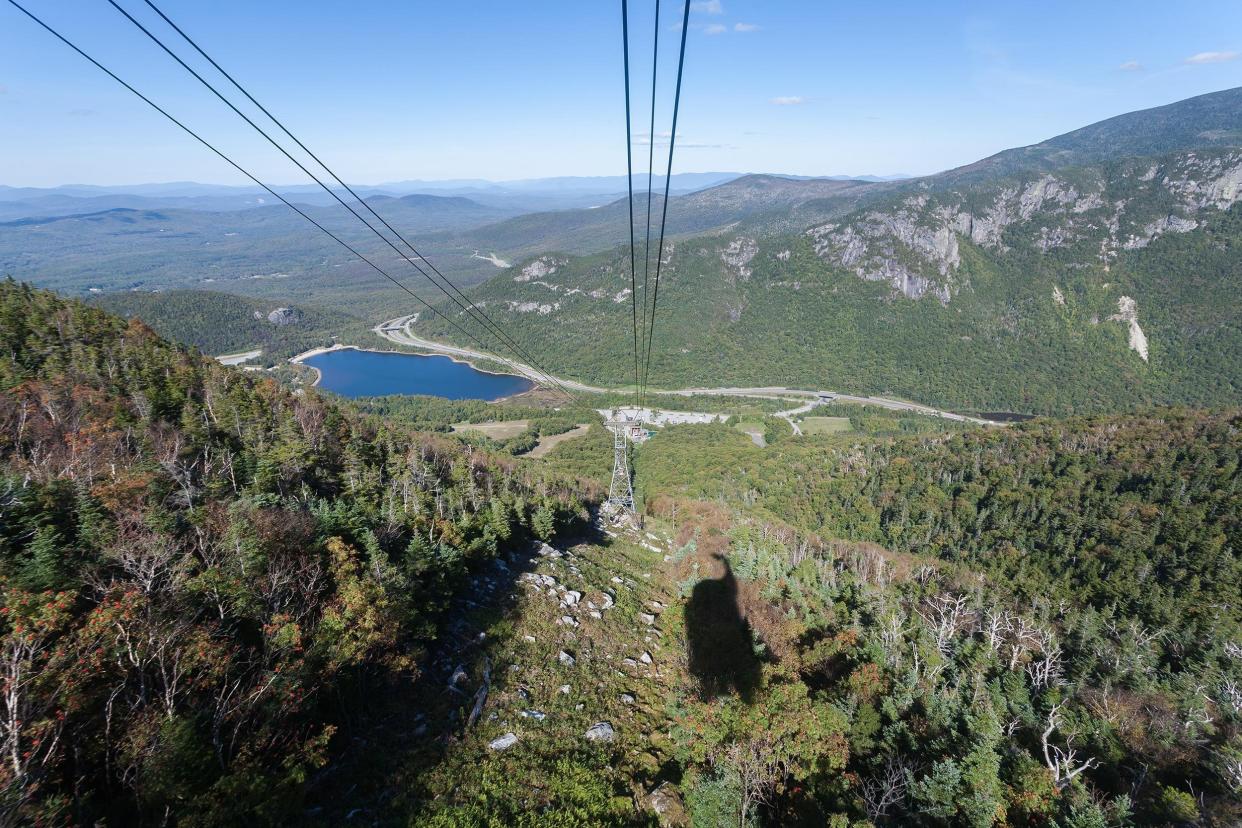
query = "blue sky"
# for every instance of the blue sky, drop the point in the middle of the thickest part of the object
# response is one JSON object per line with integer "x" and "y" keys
{"x": 388, "y": 91}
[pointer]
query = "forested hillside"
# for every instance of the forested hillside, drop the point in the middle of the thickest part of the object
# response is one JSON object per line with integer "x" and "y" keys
{"x": 220, "y": 323}
{"x": 202, "y": 575}
{"x": 1035, "y": 625}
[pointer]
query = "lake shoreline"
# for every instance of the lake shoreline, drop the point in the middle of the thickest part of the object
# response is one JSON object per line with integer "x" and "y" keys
{"x": 459, "y": 364}
{"x": 300, "y": 359}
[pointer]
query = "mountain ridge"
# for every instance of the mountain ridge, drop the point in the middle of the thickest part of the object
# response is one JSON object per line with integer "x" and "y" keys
{"x": 1005, "y": 285}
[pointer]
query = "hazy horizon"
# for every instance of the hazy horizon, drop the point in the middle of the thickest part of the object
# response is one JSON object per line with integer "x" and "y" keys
{"x": 386, "y": 93}
{"x": 445, "y": 182}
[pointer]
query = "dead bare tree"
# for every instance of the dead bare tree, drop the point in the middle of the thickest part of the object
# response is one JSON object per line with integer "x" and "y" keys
{"x": 885, "y": 789}
{"x": 892, "y": 634}
{"x": 760, "y": 767}
{"x": 1063, "y": 763}
{"x": 30, "y": 737}
{"x": 1231, "y": 772}
{"x": 149, "y": 560}
{"x": 8, "y": 496}
{"x": 1024, "y": 637}
{"x": 946, "y": 615}
{"x": 170, "y": 452}
{"x": 1046, "y": 670}
{"x": 996, "y": 624}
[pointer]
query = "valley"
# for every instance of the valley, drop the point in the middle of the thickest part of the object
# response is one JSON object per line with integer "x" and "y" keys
{"x": 516, "y": 494}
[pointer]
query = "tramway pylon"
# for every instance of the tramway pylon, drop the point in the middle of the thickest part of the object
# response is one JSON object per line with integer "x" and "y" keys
{"x": 621, "y": 489}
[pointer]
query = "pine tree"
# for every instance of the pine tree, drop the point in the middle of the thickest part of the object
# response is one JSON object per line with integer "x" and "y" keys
{"x": 45, "y": 567}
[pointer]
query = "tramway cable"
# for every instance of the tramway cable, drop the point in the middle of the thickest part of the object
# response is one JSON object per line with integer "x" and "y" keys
{"x": 655, "y": 63}
{"x": 476, "y": 315}
{"x": 629, "y": 180}
{"x": 246, "y": 173}
{"x": 492, "y": 325}
{"x": 668, "y": 176}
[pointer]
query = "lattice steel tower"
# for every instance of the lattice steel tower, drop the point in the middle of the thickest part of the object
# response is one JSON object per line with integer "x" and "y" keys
{"x": 621, "y": 490}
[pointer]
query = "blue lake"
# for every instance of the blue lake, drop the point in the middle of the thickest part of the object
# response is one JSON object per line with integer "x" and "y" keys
{"x": 352, "y": 373}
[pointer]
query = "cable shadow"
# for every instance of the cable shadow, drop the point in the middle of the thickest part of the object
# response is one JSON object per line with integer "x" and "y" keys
{"x": 721, "y": 649}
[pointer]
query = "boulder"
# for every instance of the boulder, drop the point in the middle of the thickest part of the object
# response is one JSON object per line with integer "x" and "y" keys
{"x": 668, "y": 806}
{"x": 504, "y": 742}
{"x": 546, "y": 551}
{"x": 284, "y": 316}
{"x": 600, "y": 732}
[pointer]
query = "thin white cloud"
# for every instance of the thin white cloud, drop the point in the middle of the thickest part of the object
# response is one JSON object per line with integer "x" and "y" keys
{"x": 661, "y": 140}
{"x": 745, "y": 27}
{"x": 788, "y": 100}
{"x": 1131, "y": 66}
{"x": 1213, "y": 57}
{"x": 715, "y": 29}
{"x": 707, "y": 7}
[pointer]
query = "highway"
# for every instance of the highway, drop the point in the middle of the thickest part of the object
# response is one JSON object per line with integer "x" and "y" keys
{"x": 398, "y": 331}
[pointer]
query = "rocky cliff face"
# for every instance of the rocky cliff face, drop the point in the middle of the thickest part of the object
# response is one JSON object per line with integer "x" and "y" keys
{"x": 284, "y": 316}
{"x": 1127, "y": 313}
{"x": 916, "y": 256}
{"x": 539, "y": 268}
{"x": 914, "y": 243}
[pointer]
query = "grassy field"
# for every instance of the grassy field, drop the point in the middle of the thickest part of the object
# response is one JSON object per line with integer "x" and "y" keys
{"x": 825, "y": 425}
{"x": 755, "y": 430}
{"x": 546, "y": 444}
{"x": 494, "y": 431}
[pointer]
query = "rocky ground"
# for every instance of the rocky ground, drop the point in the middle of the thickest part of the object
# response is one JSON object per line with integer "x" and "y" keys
{"x": 550, "y": 697}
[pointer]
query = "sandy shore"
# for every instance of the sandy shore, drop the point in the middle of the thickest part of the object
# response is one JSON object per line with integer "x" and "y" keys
{"x": 238, "y": 358}
{"x": 317, "y": 351}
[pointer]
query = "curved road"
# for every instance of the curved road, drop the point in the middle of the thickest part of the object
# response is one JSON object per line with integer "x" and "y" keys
{"x": 398, "y": 331}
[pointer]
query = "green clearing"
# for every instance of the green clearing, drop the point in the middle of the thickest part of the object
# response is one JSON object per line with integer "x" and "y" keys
{"x": 755, "y": 430}
{"x": 494, "y": 430}
{"x": 825, "y": 425}
{"x": 546, "y": 444}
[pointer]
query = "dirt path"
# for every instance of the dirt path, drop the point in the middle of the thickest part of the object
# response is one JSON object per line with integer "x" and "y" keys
{"x": 558, "y": 658}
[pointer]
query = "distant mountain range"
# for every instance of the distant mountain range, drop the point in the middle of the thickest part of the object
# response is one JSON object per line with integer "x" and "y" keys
{"x": 525, "y": 195}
